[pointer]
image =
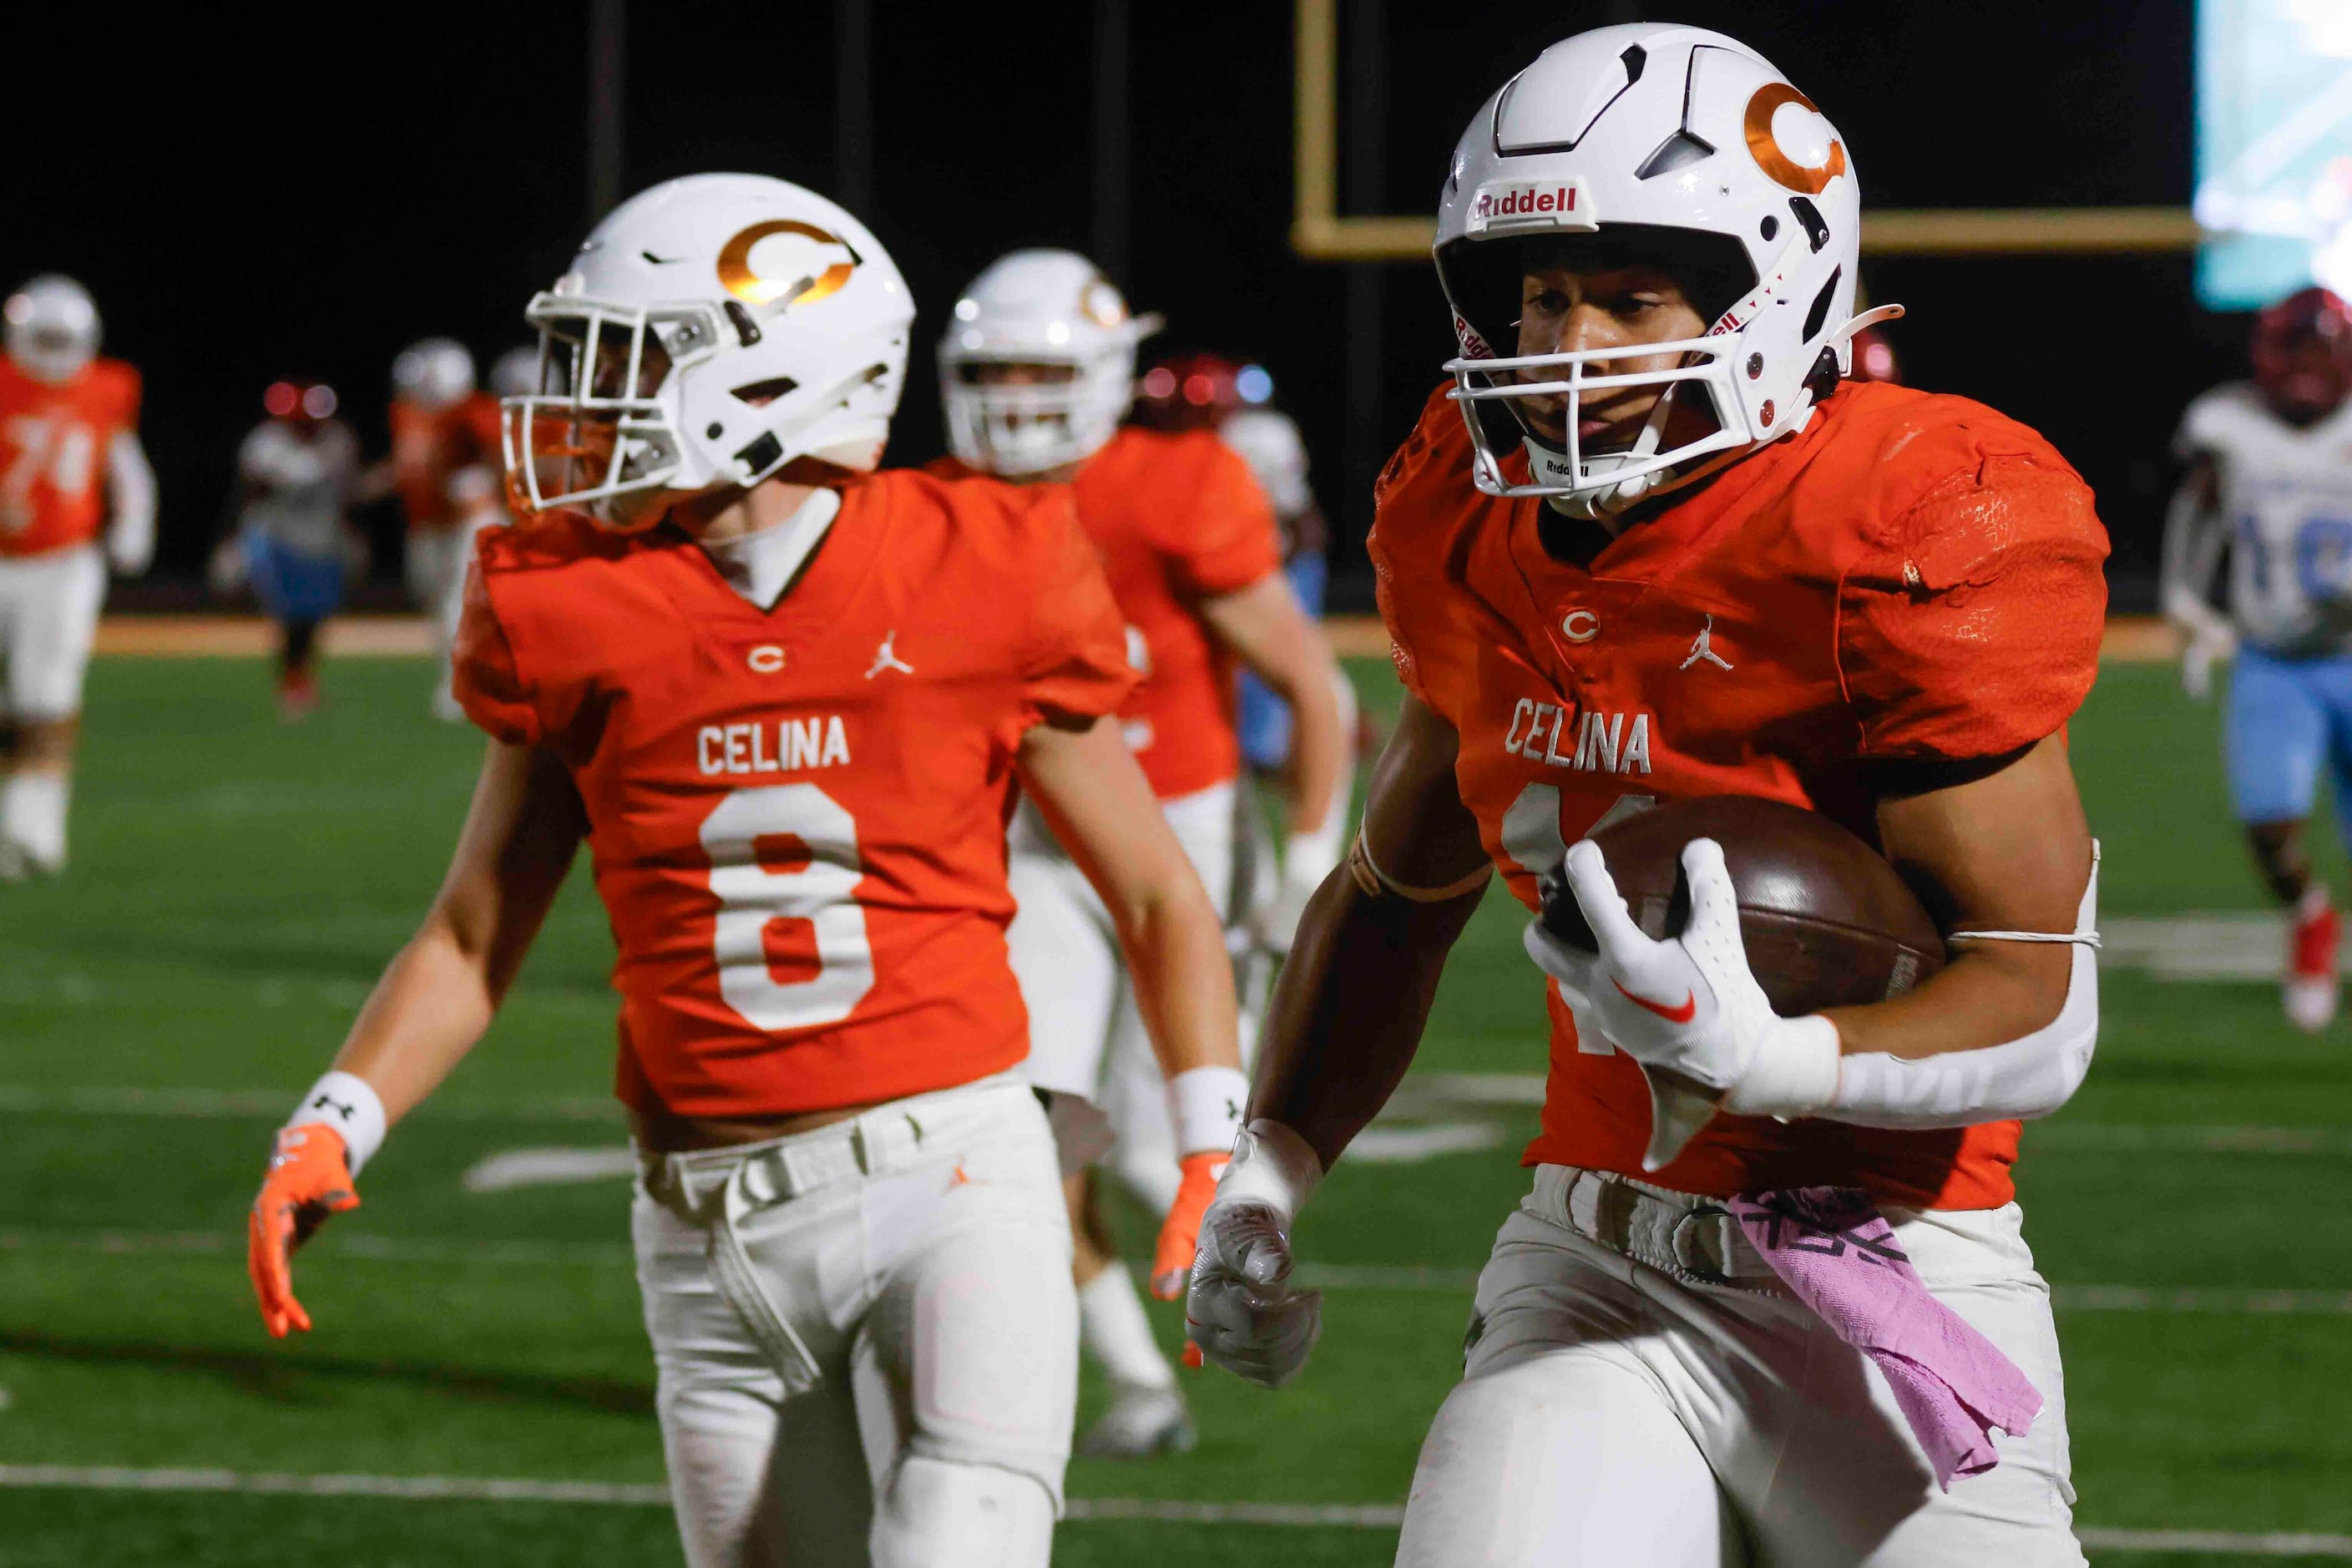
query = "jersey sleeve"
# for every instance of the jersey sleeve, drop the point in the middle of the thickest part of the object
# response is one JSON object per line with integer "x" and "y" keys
{"x": 1074, "y": 659}
{"x": 2202, "y": 427}
{"x": 1231, "y": 538}
{"x": 487, "y": 677}
{"x": 1971, "y": 627}
{"x": 1407, "y": 543}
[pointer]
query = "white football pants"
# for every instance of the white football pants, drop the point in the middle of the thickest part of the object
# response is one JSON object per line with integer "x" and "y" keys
{"x": 435, "y": 572}
{"x": 865, "y": 1337}
{"x": 48, "y": 619}
{"x": 1612, "y": 1412}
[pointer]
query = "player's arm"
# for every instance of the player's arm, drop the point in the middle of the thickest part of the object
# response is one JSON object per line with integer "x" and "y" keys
{"x": 1096, "y": 799}
{"x": 1266, "y": 630}
{"x": 1265, "y": 627}
{"x": 2001, "y": 854}
{"x": 130, "y": 500}
{"x": 433, "y": 1001}
{"x": 1345, "y": 1020}
{"x": 2195, "y": 534}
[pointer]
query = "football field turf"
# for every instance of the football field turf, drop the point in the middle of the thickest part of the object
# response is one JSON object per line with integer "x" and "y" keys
{"x": 237, "y": 885}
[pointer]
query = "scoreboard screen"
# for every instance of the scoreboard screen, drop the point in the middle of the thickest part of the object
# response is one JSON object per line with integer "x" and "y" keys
{"x": 2274, "y": 149}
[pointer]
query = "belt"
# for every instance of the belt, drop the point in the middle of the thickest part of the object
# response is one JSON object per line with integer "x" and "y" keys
{"x": 888, "y": 1138}
{"x": 1694, "y": 1238}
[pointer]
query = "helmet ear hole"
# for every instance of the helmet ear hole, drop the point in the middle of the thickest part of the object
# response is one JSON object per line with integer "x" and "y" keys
{"x": 1818, "y": 315}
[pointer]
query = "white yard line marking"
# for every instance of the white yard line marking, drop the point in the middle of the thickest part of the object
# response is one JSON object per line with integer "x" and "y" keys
{"x": 1431, "y": 1280}
{"x": 1404, "y": 1139}
{"x": 2240, "y": 1543}
{"x": 625, "y": 1494}
{"x": 230, "y": 1103}
{"x": 549, "y": 1168}
{"x": 1392, "y": 1144}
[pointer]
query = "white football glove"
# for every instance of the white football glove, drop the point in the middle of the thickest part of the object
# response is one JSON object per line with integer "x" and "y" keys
{"x": 1306, "y": 860}
{"x": 2206, "y": 648}
{"x": 1242, "y": 1310}
{"x": 1687, "y": 1009}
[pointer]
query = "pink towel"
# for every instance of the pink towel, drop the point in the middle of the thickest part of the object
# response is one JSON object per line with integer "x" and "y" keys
{"x": 1837, "y": 1252}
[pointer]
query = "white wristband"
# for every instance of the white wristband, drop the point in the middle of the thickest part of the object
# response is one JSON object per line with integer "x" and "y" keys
{"x": 1795, "y": 1072}
{"x": 1271, "y": 1165}
{"x": 348, "y": 1103}
{"x": 1207, "y": 1103}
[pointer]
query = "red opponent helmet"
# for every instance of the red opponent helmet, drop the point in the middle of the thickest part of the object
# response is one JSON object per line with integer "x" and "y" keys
{"x": 1199, "y": 391}
{"x": 2303, "y": 356}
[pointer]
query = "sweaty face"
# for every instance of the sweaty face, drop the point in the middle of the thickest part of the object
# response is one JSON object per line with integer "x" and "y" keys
{"x": 1564, "y": 309}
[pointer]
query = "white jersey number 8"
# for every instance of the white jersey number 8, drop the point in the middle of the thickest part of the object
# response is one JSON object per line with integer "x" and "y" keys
{"x": 821, "y": 893}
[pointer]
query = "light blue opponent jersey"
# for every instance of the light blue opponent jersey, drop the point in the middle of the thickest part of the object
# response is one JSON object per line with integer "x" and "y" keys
{"x": 2286, "y": 500}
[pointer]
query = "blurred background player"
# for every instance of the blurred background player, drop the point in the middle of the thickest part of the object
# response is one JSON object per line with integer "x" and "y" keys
{"x": 71, "y": 472}
{"x": 445, "y": 465}
{"x": 1235, "y": 400}
{"x": 2270, "y": 485}
{"x": 296, "y": 471}
{"x": 1036, "y": 370}
{"x": 735, "y": 642}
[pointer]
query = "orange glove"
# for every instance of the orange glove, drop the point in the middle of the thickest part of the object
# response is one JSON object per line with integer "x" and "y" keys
{"x": 1180, "y": 1233}
{"x": 309, "y": 1177}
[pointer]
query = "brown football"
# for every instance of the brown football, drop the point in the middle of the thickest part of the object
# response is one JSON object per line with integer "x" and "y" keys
{"x": 1826, "y": 921}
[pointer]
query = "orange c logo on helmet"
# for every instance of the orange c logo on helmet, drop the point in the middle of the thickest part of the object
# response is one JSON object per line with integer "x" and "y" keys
{"x": 1764, "y": 147}
{"x": 737, "y": 276}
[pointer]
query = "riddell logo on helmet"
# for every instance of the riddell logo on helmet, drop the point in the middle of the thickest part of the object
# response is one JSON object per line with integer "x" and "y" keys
{"x": 1560, "y": 204}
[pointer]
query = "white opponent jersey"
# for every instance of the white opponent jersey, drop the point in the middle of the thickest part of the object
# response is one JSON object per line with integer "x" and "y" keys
{"x": 2284, "y": 510}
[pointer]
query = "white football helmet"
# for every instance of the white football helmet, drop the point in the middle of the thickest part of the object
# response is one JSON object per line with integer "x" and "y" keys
{"x": 52, "y": 328}
{"x": 1270, "y": 442}
{"x": 1045, "y": 308}
{"x": 1666, "y": 137}
{"x": 710, "y": 331}
{"x": 515, "y": 372}
{"x": 433, "y": 374}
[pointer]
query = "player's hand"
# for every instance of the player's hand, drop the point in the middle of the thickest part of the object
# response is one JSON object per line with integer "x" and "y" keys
{"x": 2205, "y": 651}
{"x": 1180, "y": 1233}
{"x": 310, "y": 1178}
{"x": 1689, "y": 1009}
{"x": 1306, "y": 862}
{"x": 1243, "y": 1311}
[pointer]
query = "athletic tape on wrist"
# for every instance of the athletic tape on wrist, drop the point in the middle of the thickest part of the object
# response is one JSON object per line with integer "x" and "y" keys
{"x": 1273, "y": 1165}
{"x": 1207, "y": 1103}
{"x": 348, "y": 1103}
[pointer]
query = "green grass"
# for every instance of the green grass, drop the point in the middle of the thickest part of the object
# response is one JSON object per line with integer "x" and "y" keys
{"x": 236, "y": 885}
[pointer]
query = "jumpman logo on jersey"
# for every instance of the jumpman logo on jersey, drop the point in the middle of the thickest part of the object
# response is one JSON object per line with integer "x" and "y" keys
{"x": 1703, "y": 648}
{"x": 887, "y": 658}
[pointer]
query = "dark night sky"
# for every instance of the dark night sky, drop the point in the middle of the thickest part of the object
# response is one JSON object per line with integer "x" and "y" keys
{"x": 251, "y": 195}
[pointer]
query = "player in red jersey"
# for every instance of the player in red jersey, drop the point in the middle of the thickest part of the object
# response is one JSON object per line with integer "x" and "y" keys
{"x": 1714, "y": 566}
{"x": 1036, "y": 369}
{"x": 786, "y": 702}
{"x": 445, "y": 467}
{"x": 76, "y": 497}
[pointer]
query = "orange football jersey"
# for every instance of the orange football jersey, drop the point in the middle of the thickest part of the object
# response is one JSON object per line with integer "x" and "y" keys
{"x": 53, "y": 443}
{"x": 1913, "y": 577}
{"x": 1177, "y": 519}
{"x": 797, "y": 815}
{"x": 431, "y": 445}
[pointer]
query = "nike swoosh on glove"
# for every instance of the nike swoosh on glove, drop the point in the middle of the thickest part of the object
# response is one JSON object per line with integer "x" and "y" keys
{"x": 1243, "y": 1311}
{"x": 308, "y": 1179}
{"x": 1687, "y": 1009}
